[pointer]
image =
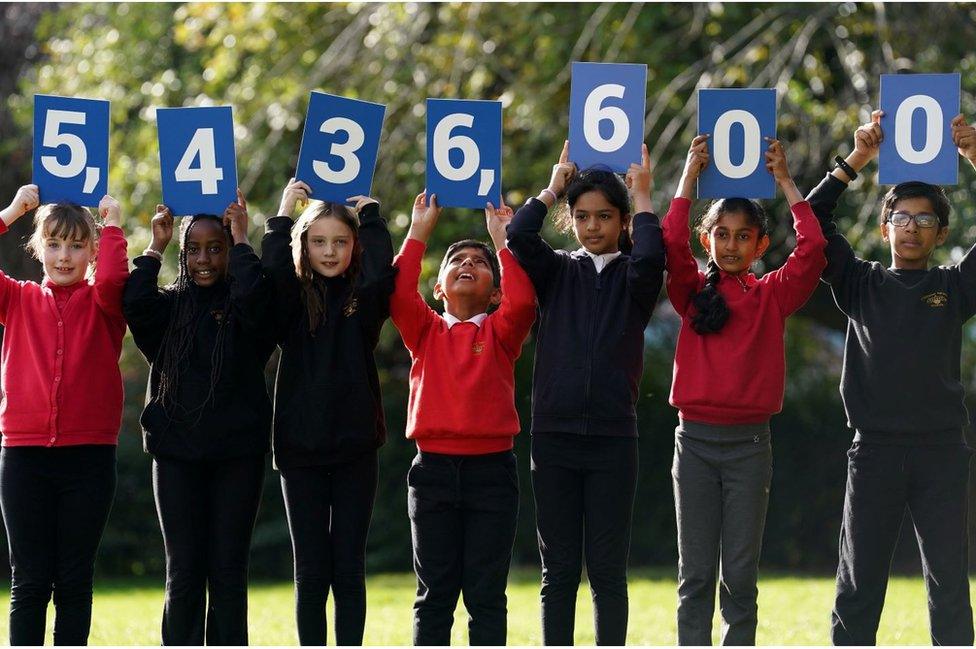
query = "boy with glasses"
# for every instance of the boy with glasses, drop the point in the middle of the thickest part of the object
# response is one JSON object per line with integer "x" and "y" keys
{"x": 903, "y": 397}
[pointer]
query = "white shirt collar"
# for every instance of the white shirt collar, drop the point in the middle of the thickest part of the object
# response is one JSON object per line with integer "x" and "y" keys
{"x": 600, "y": 261}
{"x": 451, "y": 320}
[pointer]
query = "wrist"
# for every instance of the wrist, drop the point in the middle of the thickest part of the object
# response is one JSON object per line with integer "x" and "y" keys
{"x": 857, "y": 160}
{"x": 549, "y": 196}
{"x": 158, "y": 247}
{"x": 152, "y": 252}
{"x": 418, "y": 234}
{"x": 642, "y": 203}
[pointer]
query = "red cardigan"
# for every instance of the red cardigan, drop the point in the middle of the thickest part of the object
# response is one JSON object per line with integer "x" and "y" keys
{"x": 60, "y": 368}
{"x": 462, "y": 378}
{"x": 738, "y": 375}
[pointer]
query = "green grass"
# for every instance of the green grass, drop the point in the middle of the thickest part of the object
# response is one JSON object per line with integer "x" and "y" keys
{"x": 792, "y": 610}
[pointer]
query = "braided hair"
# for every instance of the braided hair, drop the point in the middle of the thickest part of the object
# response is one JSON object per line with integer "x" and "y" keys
{"x": 177, "y": 342}
{"x": 600, "y": 179}
{"x": 711, "y": 310}
{"x": 314, "y": 286}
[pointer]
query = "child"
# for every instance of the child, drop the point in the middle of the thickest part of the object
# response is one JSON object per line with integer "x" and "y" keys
{"x": 903, "y": 397}
{"x": 594, "y": 306}
{"x": 729, "y": 379}
{"x": 334, "y": 275}
{"x": 207, "y": 418}
{"x": 61, "y": 413}
{"x": 463, "y": 486}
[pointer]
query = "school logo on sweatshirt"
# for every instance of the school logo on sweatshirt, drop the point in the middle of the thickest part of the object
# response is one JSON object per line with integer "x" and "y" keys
{"x": 218, "y": 315}
{"x": 477, "y": 348}
{"x": 937, "y": 299}
{"x": 350, "y": 307}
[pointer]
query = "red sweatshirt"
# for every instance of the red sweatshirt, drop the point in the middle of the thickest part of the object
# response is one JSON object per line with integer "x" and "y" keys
{"x": 462, "y": 378}
{"x": 738, "y": 375}
{"x": 60, "y": 365}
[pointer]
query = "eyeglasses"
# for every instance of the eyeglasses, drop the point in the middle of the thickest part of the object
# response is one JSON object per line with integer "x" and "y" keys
{"x": 922, "y": 219}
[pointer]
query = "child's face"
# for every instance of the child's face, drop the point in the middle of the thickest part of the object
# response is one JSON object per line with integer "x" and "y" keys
{"x": 206, "y": 252}
{"x": 597, "y": 223}
{"x": 330, "y": 243}
{"x": 467, "y": 276}
{"x": 734, "y": 243}
{"x": 66, "y": 261}
{"x": 911, "y": 245}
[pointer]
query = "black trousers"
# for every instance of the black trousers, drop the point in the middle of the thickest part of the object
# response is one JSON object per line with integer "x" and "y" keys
{"x": 584, "y": 496}
{"x": 881, "y": 481}
{"x": 329, "y": 509}
{"x": 463, "y": 514}
{"x": 206, "y": 513}
{"x": 55, "y": 504}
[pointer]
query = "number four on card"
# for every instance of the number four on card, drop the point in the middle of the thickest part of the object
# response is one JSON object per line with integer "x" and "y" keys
{"x": 197, "y": 160}
{"x": 464, "y": 152}
{"x": 339, "y": 146}
{"x": 71, "y": 149}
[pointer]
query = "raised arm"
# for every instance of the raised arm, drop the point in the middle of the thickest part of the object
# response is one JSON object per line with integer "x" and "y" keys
{"x": 147, "y": 308}
{"x": 645, "y": 270}
{"x": 537, "y": 257}
{"x": 410, "y": 312}
{"x": 250, "y": 288}
{"x": 26, "y": 199}
{"x": 684, "y": 278}
{"x": 112, "y": 265}
{"x": 964, "y": 137}
{"x": 375, "y": 240}
{"x": 516, "y": 313}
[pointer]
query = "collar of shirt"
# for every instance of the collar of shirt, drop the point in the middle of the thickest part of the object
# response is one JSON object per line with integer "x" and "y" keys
{"x": 600, "y": 261}
{"x": 451, "y": 320}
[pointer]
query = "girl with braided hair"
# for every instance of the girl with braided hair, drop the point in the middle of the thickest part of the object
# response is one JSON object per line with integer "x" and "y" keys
{"x": 207, "y": 420}
{"x": 729, "y": 379}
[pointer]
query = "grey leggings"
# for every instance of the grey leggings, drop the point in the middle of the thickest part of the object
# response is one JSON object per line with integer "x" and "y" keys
{"x": 721, "y": 490}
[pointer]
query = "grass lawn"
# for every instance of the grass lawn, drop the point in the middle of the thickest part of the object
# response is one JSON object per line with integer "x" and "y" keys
{"x": 792, "y": 610}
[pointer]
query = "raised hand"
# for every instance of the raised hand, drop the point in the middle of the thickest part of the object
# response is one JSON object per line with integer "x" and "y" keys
{"x": 639, "y": 180}
{"x": 695, "y": 163}
{"x": 294, "y": 195}
{"x": 235, "y": 217}
{"x": 964, "y": 137}
{"x": 26, "y": 199}
{"x": 867, "y": 140}
{"x": 424, "y": 217}
{"x": 162, "y": 229}
{"x": 362, "y": 201}
{"x": 497, "y": 220}
{"x": 562, "y": 172}
{"x": 776, "y": 164}
{"x": 110, "y": 210}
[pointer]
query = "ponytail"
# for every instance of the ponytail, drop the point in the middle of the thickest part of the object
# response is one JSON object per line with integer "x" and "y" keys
{"x": 711, "y": 311}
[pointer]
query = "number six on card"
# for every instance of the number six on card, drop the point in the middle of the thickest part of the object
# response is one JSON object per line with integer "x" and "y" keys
{"x": 197, "y": 160}
{"x": 71, "y": 149}
{"x": 339, "y": 146}
{"x": 464, "y": 152}
{"x": 606, "y": 114}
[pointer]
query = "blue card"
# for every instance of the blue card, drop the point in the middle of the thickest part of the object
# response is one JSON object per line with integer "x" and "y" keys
{"x": 918, "y": 137}
{"x": 737, "y": 119}
{"x": 606, "y": 114}
{"x": 464, "y": 152}
{"x": 197, "y": 159}
{"x": 71, "y": 149}
{"x": 339, "y": 146}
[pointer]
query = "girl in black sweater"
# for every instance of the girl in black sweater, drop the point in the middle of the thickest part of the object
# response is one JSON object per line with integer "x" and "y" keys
{"x": 207, "y": 417}
{"x": 333, "y": 276}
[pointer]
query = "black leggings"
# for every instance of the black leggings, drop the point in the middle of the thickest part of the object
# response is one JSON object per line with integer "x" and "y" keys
{"x": 329, "y": 509}
{"x": 584, "y": 496}
{"x": 55, "y": 504}
{"x": 206, "y": 513}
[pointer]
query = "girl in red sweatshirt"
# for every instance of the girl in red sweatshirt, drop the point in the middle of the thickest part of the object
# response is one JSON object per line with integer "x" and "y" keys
{"x": 61, "y": 412}
{"x": 729, "y": 379}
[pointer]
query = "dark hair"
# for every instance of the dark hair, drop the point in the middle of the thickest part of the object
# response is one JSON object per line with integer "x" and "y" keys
{"x": 61, "y": 220}
{"x": 314, "y": 287}
{"x": 915, "y": 189}
{"x": 601, "y": 179}
{"x": 177, "y": 342}
{"x": 496, "y": 272}
{"x": 711, "y": 311}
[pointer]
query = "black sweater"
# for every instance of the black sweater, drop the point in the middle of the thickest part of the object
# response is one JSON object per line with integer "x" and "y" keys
{"x": 327, "y": 406}
{"x": 901, "y": 376}
{"x": 590, "y": 342}
{"x": 236, "y": 422}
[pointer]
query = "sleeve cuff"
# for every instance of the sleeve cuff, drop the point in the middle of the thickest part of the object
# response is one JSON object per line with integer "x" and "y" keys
{"x": 279, "y": 224}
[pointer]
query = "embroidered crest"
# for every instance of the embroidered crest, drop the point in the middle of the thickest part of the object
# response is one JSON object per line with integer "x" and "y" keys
{"x": 477, "y": 348}
{"x": 218, "y": 315}
{"x": 937, "y": 299}
{"x": 350, "y": 307}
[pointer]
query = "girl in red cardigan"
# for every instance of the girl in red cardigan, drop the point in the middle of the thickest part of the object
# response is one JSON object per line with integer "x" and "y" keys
{"x": 61, "y": 412}
{"x": 729, "y": 378}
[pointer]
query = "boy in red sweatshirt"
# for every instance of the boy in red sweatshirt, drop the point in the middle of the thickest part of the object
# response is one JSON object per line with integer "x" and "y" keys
{"x": 463, "y": 485}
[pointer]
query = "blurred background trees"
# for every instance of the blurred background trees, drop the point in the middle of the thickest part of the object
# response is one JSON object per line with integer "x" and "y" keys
{"x": 263, "y": 59}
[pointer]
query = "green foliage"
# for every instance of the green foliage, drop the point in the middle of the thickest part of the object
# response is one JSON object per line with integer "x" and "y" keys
{"x": 825, "y": 60}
